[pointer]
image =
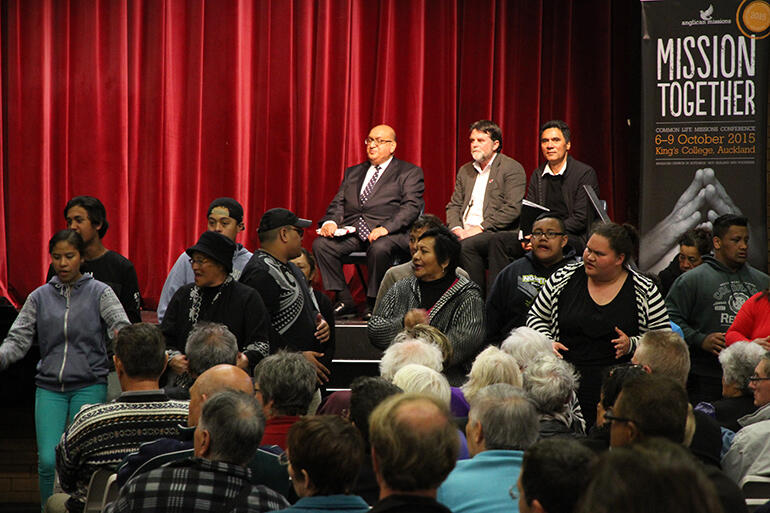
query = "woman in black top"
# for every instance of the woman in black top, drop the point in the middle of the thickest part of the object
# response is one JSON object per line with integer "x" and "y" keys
{"x": 596, "y": 310}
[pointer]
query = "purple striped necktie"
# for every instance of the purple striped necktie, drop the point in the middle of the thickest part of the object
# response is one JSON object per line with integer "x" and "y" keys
{"x": 362, "y": 228}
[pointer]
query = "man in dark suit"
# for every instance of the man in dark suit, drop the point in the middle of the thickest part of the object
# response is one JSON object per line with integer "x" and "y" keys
{"x": 486, "y": 202}
{"x": 381, "y": 198}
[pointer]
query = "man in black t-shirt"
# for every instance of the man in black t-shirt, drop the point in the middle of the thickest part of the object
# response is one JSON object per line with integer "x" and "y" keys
{"x": 294, "y": 314}
{"x": 87, "y": 216}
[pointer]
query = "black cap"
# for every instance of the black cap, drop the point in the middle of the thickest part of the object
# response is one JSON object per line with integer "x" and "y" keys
{"x": 216, "y": 246}
{"x": 234, "y": 209}
{"x": 277, "y": 217}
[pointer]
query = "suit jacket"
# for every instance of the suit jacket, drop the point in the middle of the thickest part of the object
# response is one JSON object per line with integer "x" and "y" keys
{"x": 395, "y": 202}
{"x": 502, "y": 199}
{"x": 576, "y": 175}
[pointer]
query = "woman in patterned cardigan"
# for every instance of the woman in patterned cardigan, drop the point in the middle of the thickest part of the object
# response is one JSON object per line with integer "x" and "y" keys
{"x": 435, "y": 295}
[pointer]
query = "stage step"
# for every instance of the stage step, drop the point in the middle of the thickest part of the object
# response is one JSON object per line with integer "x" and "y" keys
{"x": 354, "y": 355}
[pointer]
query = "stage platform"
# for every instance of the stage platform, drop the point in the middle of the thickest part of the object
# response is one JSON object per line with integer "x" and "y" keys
{"x": 354, "y": 356}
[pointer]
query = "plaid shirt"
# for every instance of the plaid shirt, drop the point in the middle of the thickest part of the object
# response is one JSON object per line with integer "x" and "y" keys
{"x": 194, "y": 484}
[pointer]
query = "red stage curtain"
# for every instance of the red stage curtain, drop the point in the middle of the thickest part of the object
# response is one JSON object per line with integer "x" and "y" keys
{"x": 157, "y": 107}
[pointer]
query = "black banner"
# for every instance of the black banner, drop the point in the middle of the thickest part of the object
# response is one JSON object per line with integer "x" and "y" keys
{"x": 704, "y": 94}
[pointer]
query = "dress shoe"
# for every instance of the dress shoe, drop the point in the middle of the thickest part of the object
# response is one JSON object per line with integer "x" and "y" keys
{"x": 366, "y": 315}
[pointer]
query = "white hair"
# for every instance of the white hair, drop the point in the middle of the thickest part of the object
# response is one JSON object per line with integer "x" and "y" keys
{"x": 419, "y": 379}
{"x": 526, "y": 344}
{"x": 739, "y": 361}
{"x": 410, "y": 351}
{"x": 490, "y": 367}
{"x": 550, "y": 382}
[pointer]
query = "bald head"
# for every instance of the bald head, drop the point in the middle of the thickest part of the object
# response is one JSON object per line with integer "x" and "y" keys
{"x": 381, "y": 144}
{"x": 215, "y": 379}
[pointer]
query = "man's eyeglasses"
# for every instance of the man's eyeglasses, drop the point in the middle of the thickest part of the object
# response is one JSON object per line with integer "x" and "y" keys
{"x": 199, "y": 261}
{"x": 376, "y": 141}
{"x": 756, "y": 378}
{"x": 612, "y": 418}
{"x": 539, "y": 234}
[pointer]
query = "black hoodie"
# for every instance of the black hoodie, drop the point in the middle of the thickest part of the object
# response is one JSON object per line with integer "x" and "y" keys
{"x": 514, "y": 291}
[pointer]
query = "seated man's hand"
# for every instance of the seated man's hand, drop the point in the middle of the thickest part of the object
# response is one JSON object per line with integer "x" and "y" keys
{"x": 328, "y": 229}
{"x": 179, "y": 364}
{"x": 471, "y": 231}
{"x": 414, "y": 317}
{"x": 378, "y": 232}
{"x": 322, "y": 373}
{"x": 459, "y": 232}
{"x": 714, "y": 343}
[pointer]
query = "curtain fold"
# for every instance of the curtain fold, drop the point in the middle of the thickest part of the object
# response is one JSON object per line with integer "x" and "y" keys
{"x": 157, "y": 107}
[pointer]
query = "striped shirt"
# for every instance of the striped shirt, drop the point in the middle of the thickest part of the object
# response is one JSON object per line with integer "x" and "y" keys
{"x": 650, "y": 307}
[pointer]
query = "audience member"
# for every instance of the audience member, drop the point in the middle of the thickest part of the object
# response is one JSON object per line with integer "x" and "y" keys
{"x": 429, "y": 334}
{"x": 652, "y": 406}
{"x": 490, "y": 367}
{"x": 407, "y": 351}
{"x": 324, "y": 455}
{"x": 632, "y": 481}
{"x": 216, "y": 479}
{"x": 70, "y": 311}
{"x": 398, "y": 272}
{"x": 381, "y": 217}
{"x": 365, "y": 394}
{"x": 738, "y": 363}
{"x": 750, "y": 452}
{"x": 501, "y": 425}
{"x": 153, "y": 454}
{"x": 665, "y": 353}
{"x": 100, "y": 436}
{"x": 596, "y": 310}
{"x": 208, "y": 344}
{"x": 612, "y": 382}
{"x": 554, "y": 472}
{"x": 752, "y": 322}
{"x": 414, "y": 447}
{"x": 296, "y": 321}
{"x": 515, "y": 288}
{"x": 486, "y": 201}
{"x": 87, "y": 216}
{"x": 225, "y": 216}
{"x": 693, "y": 246}
{"x": 704, "y": 301}
{"x": 435, "y": 295}
{"x": 419, "y": 379}
{"x": 306, "y": 263}
{"x": 526, "y": 345}
{"x": 285, "y": 384}
{"x": 550, "y": 382}
{"x": 215, "y": 296}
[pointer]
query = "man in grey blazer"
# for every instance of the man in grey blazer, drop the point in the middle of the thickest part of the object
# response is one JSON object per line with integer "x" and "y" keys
{"x": 381, "y": 198}
{"x": 486, "y": 202}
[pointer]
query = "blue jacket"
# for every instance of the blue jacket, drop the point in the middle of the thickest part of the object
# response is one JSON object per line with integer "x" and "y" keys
{"x": 71, "y": 324}
{"x": 481, "y": 484}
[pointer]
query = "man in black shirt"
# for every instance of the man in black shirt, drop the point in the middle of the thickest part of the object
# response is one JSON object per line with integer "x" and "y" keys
{"x": 558, "y": 184}
{"x": 294, "y": 313}
{"x": 87, "y": 216}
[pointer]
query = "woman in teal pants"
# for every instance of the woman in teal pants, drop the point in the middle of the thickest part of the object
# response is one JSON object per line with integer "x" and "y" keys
{"x": 68, "y": 315}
